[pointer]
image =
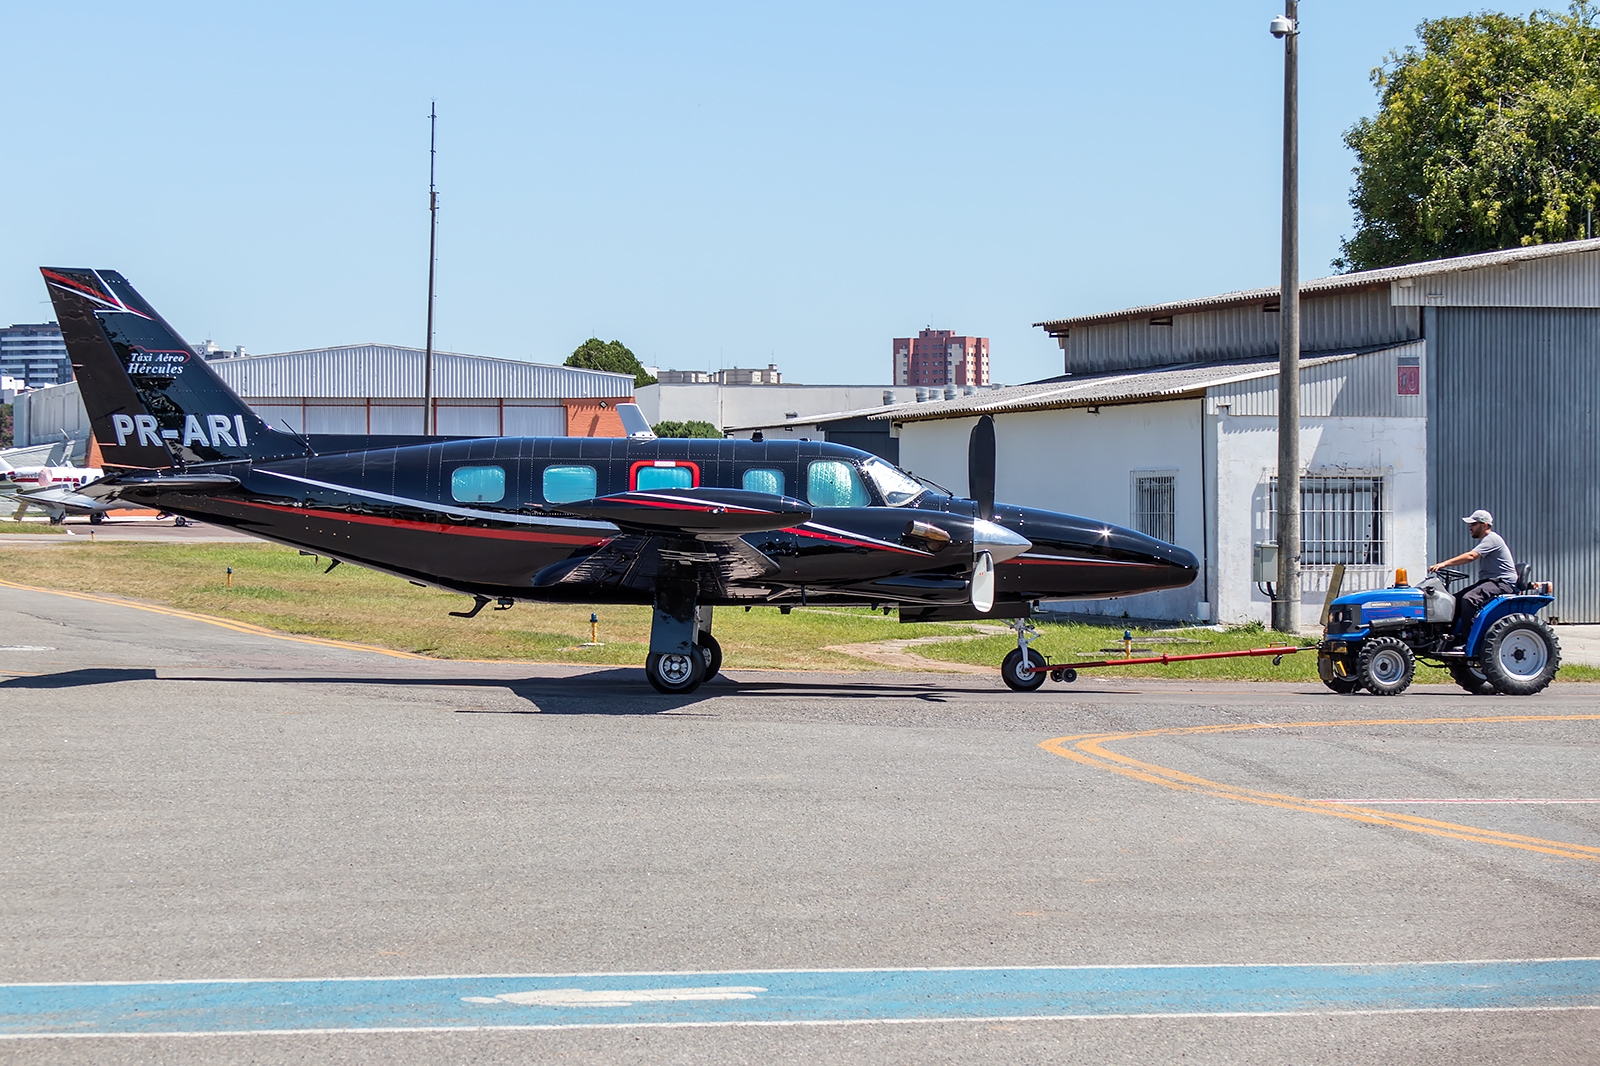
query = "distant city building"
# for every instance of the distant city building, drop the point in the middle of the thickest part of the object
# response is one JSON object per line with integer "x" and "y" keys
{"x": 34, "y": 353}
{"x": 731, "y": 376}
{"x": 212, "y": 350}
{"x": 939, "y": 357}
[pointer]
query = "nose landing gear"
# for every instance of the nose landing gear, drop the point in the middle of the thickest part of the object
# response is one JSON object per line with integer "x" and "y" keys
{"x": 1019, "y": 670}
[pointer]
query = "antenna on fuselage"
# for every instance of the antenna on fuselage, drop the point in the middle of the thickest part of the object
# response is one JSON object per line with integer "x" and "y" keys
{"x": 433, "y": 234}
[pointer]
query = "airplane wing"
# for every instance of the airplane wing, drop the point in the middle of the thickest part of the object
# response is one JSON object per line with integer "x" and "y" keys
{"x": 720, "y": 566}
{"x": 133, "y": 486}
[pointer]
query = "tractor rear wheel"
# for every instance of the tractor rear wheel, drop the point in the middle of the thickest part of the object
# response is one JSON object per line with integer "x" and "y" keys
{"x": 1471, "y": 678}
{"x": 1385, "y": 666}
{"x": 1520, "y": 655}
{"x": 1018, "y": 676}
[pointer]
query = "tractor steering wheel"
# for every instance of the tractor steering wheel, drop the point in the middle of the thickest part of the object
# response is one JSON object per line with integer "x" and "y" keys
{"x": 1449, "y": 573}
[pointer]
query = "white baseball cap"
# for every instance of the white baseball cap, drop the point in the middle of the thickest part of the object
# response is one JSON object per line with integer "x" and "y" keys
{"x": 1480, "y": 515}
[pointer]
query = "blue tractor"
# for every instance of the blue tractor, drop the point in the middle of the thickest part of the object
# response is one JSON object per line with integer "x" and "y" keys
{"x": 1374, "y": 639}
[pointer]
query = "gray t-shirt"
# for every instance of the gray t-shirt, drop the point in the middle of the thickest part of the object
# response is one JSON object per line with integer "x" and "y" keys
{"x": 1494, "y": 559}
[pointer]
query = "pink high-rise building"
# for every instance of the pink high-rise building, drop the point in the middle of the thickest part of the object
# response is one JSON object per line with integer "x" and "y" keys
{"x": 939, "y": 357}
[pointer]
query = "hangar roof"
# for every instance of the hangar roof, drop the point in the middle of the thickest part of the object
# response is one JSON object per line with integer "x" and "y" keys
{"x": 1168, "y": 383}
{"x": 391, "y": 371}
{"x": 1361, "y": 279}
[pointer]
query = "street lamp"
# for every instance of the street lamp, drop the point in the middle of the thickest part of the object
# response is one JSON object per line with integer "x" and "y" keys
{"x": 1286, "y": 601}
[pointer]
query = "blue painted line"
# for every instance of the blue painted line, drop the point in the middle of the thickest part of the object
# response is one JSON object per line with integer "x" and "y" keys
{"x": 792, "y": 997}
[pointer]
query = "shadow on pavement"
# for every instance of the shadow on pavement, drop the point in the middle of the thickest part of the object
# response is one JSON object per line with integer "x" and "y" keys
{"x": 622, "y": 691}
{"x": 80, "y": 678}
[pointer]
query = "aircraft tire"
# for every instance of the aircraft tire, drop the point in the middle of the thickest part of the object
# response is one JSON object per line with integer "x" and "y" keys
{"x": 674, "y": 674}
{"x": 1017, "y": 677}
{"x": 711, "y": 651}
{"x": 1472, "y": 679}
{"x": 1520, "y": 655}
{"x": 96, "y": 517}
{"x": 1385, "y": 666}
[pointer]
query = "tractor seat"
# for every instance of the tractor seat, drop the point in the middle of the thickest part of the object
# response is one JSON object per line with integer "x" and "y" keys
{"x": 1524, "y": 573}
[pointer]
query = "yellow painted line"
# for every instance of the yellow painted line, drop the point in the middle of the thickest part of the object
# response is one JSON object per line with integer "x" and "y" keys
{"x": 1090, "y": 749}
{"x": 225, "y": 623}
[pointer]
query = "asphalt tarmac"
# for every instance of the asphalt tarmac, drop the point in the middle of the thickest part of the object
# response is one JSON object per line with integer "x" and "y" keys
{"x": 183, "y": 801}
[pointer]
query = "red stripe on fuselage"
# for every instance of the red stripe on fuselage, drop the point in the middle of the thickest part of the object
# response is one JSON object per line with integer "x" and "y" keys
{"x": 429, "y": 527}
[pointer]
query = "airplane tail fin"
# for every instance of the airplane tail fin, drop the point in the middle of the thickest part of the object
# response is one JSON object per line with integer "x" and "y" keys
{"x": 152, "y": 402}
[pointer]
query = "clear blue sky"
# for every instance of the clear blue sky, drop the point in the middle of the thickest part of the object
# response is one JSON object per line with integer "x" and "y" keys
{"x": 710, "y": 184}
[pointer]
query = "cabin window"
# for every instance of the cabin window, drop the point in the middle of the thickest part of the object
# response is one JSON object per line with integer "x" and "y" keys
{"x": 564, "y": 484}
{"x": 765, "y": 480}
{"x": 478, "y": 484}
{"x": 664, "y": 474}
{"x": 835, "y": 483}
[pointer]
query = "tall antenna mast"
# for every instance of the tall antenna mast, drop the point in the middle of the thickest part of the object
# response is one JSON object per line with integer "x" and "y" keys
{"x": 429, "y": 422}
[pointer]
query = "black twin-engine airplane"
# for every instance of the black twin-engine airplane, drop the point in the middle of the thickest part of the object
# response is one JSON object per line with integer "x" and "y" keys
{"x": 681, "y": 525}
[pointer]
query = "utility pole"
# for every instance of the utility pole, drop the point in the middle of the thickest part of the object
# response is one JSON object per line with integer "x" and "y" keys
{"x": 1286, "y": 601}
{"x": 428, "y": 420}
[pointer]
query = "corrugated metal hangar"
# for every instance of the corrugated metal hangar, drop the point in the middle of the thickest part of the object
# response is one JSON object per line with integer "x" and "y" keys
{"x": 1459, "y": 383}
{"x": 377, "y": 388}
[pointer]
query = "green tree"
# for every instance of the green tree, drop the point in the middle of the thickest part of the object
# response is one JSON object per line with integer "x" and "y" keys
{"x": 686, "y": 429}
{"x": 5, "y": 425}
{"x": 596, "y": 354}
{"x": 1487, "y": 136}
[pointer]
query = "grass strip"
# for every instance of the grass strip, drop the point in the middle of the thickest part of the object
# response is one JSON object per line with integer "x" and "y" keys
{"x": 8, "y": 526}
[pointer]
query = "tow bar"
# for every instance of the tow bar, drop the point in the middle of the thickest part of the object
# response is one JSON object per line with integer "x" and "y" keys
{"x": 1069, "y": 673}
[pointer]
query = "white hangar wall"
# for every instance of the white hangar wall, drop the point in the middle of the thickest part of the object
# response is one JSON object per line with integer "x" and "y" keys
{"x": 1220, "y": 443}
{"x": 1246, "y": 449}
{"x": 1084, "y": 463}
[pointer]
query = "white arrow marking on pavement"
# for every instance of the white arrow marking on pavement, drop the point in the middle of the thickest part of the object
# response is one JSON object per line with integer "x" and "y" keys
{"x": 615, "y": 997}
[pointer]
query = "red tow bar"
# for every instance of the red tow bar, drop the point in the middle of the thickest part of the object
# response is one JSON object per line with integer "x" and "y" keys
{"x": 1277, "y": 651}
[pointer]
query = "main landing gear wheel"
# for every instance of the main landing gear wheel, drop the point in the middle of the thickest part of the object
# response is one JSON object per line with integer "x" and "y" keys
{"x": 96, "y": 517}
{"x": 1344, "y": 686}
{"x": 1017, "y": 676}
{"x": 711, "y": 654}
{"x": 674, "y": 673}
{"x": 1471, "y": 678}
{"x": 1520, "y": 655}
{"x": 1385, "y": 666}
{"x": 180, "y": 521}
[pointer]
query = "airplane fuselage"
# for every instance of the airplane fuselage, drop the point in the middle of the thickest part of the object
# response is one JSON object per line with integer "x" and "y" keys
{"x": 484, "y": 517}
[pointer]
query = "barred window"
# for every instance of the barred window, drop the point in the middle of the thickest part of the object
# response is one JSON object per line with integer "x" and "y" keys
{"x": 1342, "y": 520}
{"x": 1155, "y": 505}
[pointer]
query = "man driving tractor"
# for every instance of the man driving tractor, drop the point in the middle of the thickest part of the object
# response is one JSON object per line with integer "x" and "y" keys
{"x": 1497, "y": 571}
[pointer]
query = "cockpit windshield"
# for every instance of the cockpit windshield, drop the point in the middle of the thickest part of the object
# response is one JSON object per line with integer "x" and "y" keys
{"x": 898, "y": 487}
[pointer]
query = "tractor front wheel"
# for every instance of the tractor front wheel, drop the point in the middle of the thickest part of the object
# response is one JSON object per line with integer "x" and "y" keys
{"x": 1385, "y": 666}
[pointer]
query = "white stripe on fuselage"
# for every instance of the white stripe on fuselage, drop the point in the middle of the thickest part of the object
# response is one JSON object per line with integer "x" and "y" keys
{"x": 464, "y": 512}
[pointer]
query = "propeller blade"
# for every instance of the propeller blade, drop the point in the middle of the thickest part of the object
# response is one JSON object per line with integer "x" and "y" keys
{"x": 983, "y": 582}
{"x": 980, "y": 467}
